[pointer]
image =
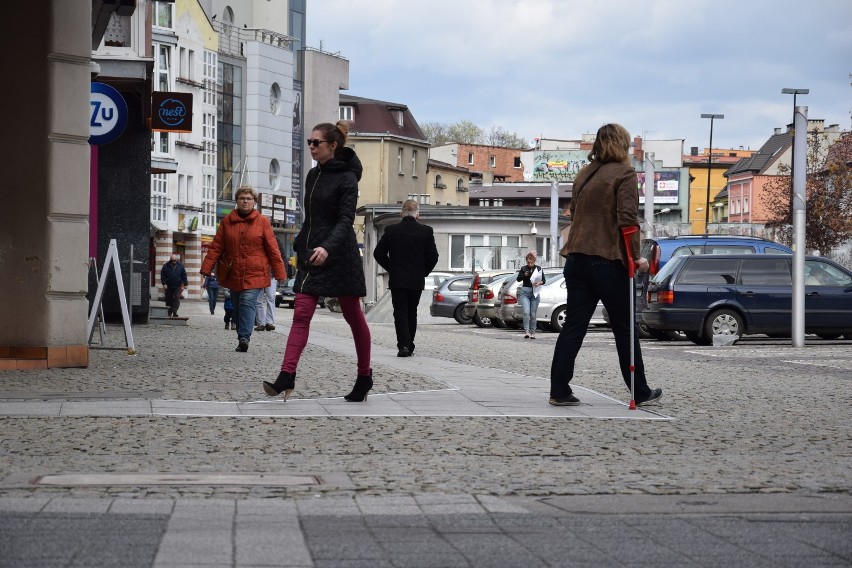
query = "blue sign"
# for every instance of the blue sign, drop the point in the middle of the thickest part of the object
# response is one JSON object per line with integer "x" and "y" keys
{"x": 108, "y": 114}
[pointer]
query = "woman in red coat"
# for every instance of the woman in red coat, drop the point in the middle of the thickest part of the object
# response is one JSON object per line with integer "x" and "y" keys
{"x": 245, "y": 249}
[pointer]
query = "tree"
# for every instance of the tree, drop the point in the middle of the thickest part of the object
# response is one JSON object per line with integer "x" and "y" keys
{"x": 828, "y": 195}
{"x": 466, "y": 132}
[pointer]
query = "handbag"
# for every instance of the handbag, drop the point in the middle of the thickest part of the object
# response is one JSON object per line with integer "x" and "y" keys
{"x": 563, "y": 252}
{"x": 223, "y": 268}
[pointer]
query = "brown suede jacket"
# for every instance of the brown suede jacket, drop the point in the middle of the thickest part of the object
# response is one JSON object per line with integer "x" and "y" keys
{"x": 609, "y": 200}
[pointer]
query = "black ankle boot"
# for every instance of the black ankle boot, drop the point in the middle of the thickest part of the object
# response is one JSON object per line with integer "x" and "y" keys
{"x": 363, "y": 384}
{"x": 285, "y": 383}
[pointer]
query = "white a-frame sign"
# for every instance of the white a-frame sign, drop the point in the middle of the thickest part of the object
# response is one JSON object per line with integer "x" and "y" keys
{"x": 111, "y": 261}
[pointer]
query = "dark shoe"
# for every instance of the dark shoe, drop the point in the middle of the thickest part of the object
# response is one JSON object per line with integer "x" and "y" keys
{"x": 260, "y": 328}
{"x": 363, "y": 384}
{"x": 403, "y": 352}
{"x": 211, "y": 312}
{"x": 411, "y": 350}
{"x": 243, "y": 346}
{"x": 233, "y": 326}
{"x": 227, "y": 326}
{"x": 269, "y": 327}
{"x": 656, "y": 394}
{"x": 569, "y": 400}
{"x": 285, "y": 383}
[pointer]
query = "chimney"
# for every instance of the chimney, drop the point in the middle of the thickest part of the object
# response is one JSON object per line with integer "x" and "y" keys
{"x": 777, "y": 131}
{"x": 693, "y": 151}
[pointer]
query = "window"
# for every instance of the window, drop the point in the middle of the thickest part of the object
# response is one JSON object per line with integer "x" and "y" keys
{"x": 709, "y": 272}
{"x": 164, "y": 15}
{"x": 439, "y": 184}
{"x": 275, "y": 99}
{"x": 399, "y": 153}
{"x": 208, "y": 202}
{"x": 274, "y": 171}
{"x": 766, "y": 272}
{"x": 470, "y": 158}
{"x": 818, "y": 273}
{"x": 399, "y": 118}
{"x": 346, "y": 113}
{"x": 516, "y": 162}
{"x": 208, "y": 136}
{"x": 460, "y": 185}
{"x": 162, "y": 67}
{"x": 159, "y": 197}
{"x": 492, "y": 161}
{"x": 456, "y": 251}
{"x": 414, "y": 163}
{"x": 745, "y": 204}
{"x": 210, "y": 63}
{"x": 513, "y": 241}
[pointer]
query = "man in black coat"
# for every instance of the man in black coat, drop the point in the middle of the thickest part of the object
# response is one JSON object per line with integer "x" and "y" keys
{"x": 173, "y": 277}
{"x": 407, "y": 251}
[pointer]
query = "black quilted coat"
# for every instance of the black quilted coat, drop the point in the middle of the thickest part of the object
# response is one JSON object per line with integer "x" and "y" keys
{"x": 331, "y": 193}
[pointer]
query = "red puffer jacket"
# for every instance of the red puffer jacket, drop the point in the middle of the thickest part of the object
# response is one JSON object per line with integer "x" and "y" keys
{"x": 249, "y": 245}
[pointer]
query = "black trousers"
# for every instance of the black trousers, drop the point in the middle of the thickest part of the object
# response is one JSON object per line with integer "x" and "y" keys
{"x": 589, "y": 279}
{"x": 173, "y": 300}
{"x": 405, "y": 303}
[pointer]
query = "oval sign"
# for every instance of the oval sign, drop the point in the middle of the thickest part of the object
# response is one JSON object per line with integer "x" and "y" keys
{"x": 107, "y": 114}
{"x": 172, "y": 112}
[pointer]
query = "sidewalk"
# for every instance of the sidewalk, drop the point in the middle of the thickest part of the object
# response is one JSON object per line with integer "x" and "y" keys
{"x": 174, "y": 457}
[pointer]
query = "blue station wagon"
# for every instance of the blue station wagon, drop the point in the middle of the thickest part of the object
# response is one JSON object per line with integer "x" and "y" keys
{"x": 708, "y": 295}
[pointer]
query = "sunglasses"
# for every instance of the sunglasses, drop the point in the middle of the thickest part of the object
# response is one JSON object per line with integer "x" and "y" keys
{"x": 315, "y": 142}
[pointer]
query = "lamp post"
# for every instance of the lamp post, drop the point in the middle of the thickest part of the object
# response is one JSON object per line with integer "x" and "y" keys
{"x": 709, "y": 161}
{"x": 794, "y": 92}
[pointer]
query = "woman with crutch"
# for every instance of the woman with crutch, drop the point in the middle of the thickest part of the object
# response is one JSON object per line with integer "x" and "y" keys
{"x": 604, "y": 199}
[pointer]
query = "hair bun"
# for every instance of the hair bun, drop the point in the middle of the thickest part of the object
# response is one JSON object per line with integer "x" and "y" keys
{"x": 343, "y": 127}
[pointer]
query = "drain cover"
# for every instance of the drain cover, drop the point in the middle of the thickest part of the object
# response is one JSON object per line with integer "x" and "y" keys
{"x": 243, "y": 479}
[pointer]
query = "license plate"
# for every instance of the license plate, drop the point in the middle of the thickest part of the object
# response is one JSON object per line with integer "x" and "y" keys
{"x": 653, "y": 296}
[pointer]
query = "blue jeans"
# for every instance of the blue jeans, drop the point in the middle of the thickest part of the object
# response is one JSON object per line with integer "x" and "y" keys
{"x": 212, "y": 293}
{"x": 245, "y": 304}
{"x": 588, "y": 279}
{"x": 529, "y": 302}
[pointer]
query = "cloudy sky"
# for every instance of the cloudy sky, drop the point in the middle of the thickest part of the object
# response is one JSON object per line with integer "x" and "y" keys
{"x": 561, "y": 68}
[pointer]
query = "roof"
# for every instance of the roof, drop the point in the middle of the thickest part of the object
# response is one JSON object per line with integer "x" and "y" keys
{"x": 765, "y": 157}
{"x": 432, "y": 164}
{"x": 518, "y": 190}
{"x": 377, "y": 117}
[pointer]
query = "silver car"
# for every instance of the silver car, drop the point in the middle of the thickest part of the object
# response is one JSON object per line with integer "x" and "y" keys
{"x": 482, "y": 298}
{"x": 552, "y": 302}
{"x": 507, "y": 307}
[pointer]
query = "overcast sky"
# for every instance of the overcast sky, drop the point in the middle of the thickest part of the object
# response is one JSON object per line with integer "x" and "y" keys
{"x": 561, "y": 68}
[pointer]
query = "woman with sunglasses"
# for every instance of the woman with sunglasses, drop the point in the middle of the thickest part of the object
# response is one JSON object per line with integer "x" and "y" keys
{"x": 328, "y": 260}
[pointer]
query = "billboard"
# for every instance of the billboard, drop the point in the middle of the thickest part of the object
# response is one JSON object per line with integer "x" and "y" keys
{"x": 558, "y": 165}
{"x": 666, "y": 186}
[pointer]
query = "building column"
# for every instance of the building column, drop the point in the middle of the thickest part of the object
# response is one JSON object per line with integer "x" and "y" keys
{"x": 44, "y": 225}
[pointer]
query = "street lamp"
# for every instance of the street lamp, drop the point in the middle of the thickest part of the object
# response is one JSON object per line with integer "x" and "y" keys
{"x": 793, "y": 92}
{"x": 709, "y": 161}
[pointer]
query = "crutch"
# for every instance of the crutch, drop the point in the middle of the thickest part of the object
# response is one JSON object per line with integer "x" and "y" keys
{"x": 627, "y": 234}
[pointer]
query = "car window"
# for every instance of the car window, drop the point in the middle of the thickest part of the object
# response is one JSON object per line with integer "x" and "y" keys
{"x": 686, "y": 251}
{"x": 728, "y": 249}
{"x": 711, "y": 272}
{"x": 775, "y": 250}
{"x": 819, "y": 273}
{"x": 460, "y": 284}
{"x": 766, "y": 272}
{"x": 665, "y": 271}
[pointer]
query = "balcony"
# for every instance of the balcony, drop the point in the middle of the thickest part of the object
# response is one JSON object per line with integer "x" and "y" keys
{"x": 231, "y": 38}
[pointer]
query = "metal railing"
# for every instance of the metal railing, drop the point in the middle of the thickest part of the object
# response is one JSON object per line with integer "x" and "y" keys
{"x": 231, "y": 38}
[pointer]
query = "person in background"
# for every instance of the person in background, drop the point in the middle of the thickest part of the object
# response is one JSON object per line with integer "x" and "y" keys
{"x": 211, "y": 284}
{"x": 531, "y": 278}
{"x": 407, "y": 251}
{"x": 173, "y": 277}
{"x": 248, "y": 249}
{"x": 605, "y": 200}
{"x": 328, "y": 260}
{"x": 265, "y": 317}
{"x": 228, "y": 305}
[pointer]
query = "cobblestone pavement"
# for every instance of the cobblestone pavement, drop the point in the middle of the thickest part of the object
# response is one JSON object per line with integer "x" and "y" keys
{"x": 758, "y": 417}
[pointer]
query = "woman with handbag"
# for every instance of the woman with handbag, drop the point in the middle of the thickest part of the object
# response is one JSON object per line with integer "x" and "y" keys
{"x": 605, "y": 199}
{"x": 328, "y": 260}
{"x": 242, "y": 253}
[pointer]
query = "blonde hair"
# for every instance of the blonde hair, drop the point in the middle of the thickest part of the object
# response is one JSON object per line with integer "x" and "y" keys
{"x": 245, "y": 189}
{"x": 336, "y": 133}
{"x": 612, "y": 144}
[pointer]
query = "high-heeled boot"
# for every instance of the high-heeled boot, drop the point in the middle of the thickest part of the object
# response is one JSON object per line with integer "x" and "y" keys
{"x": 285, "y": 383}
{"x": 363, "y": 384}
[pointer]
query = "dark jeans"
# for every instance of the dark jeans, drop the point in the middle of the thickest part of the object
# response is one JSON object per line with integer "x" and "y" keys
{"x": 405, "y": 303}
{"x": 589, "y": 279}
{"x": 245, "y": 304}
{"x": 173, "y": 300}
{"x": 212, "y": 293}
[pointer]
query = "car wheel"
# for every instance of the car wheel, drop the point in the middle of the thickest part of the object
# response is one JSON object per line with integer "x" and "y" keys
{"x": 498, "y": 323}
{"x": 480, "y": 321}
{"x": 513, "y": 324}
{"x": 723, "y": 322}
{"x": 644, "y": 332}
{"x": 828, "y": 335}
{"x": 459, "y": 316}
{"x": 696, "y": 338}
{"x": 557, "y": 320}
{"x": 277, "y": 302}
{"x": 659, "y": 334}
{"x": 847, "y": 335}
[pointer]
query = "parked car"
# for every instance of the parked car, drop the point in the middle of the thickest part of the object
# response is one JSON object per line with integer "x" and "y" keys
{"x": 660, "y": 250}
{"x": 449, "y": 298}
{"x": 434, "y": 279}
{"x": 284, "y": 294}
{"x": 481, "y": 292}
{"x": 553, "y": 299}
{"x": 507, "y": 307}
{"x": 707, "y": 295}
